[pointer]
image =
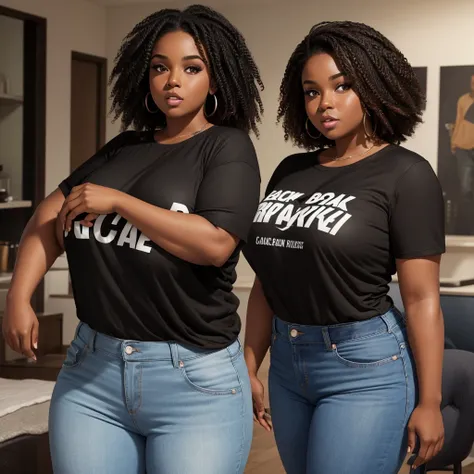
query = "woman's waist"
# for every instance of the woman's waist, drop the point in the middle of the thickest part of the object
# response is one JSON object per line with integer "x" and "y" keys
{"x": 296, "y": 333}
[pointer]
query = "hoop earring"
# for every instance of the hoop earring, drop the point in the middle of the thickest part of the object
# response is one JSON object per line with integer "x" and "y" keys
{"x": 307, "y": 130}
{"x": 364, "y": 124}
{"x": 215, "y": 107}
{"x": 148, "y": 108}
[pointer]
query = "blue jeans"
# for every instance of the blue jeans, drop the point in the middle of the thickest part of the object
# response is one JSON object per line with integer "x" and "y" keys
{"x": 465, "y": 159}
{"x": 129, "y": 407}
{"x": 341, "y": 396}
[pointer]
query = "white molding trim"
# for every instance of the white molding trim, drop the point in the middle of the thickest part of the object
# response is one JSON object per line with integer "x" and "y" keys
{"x": 244, "y": 283}
{"x": 459, "y": 242}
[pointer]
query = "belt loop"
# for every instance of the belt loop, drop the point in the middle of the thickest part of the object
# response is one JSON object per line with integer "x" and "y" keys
{"x": 388, "y": 320}
{"x": 174, "y": 354}
{"x": 274, "y": 325}
{"x": 327, "y": 338}
{"x": 78, "y": 328}
{"x": 92, "y": 337}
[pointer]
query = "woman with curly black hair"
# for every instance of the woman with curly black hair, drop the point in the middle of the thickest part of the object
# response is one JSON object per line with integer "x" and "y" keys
{"x": 347, "y": 369}
{"x": 152, "y": 225}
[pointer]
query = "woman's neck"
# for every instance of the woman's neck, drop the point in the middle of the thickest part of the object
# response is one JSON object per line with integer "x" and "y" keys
{"x": 352, "y": 145}
{"x": 183, "y": 127}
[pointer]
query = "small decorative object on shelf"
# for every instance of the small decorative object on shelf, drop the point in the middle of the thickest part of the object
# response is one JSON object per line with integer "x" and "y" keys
{"x": 4, "y": 84}
{"x": 5, "y": 186}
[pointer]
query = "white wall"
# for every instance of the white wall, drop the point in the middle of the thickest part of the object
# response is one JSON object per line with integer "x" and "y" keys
{"x": 72, "y": 25}
{"x": 11, "y": 115}
{"x": 429, "y": 32}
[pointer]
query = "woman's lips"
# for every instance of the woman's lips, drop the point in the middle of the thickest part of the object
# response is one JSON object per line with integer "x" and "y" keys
{"x": 173, "y": 101}
{"x": 328, "y": 124}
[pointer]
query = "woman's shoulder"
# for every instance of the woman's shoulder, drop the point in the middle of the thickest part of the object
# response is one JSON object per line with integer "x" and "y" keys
{"x": 223, "y": 135}
{"x": 401, "y": 160}
{"x": 227, "y": 144}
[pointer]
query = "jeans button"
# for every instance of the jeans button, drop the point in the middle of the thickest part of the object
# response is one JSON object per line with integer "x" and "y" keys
{"x": 293, "y": 333}
{"x": 128, "y": 350}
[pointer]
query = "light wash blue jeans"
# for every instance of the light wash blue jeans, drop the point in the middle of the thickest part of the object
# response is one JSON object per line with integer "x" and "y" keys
{"x": 465, "y": 159}
{"x": 128, "y": 407}
{"x": 341, "y": 396}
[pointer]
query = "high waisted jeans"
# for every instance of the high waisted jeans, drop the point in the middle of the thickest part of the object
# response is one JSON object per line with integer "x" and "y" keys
{"x": 126, "y": 407}
{"x": 341, "y": 396}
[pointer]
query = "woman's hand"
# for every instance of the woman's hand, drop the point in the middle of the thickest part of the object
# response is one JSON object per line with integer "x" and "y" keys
{"x": 259, "y": 412}
{"x": 426, "y": 423}
{"x": 20, "y": 327}
{"x": 90, "y": 199}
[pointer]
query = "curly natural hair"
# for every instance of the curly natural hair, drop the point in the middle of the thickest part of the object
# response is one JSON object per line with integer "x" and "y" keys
{"x": 231, "y": 66}
{"x": 381, "y": 75}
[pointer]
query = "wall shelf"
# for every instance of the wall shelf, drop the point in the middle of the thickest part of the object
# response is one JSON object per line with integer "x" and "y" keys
{"x": 15, "y": 204}
{"x": 10, "y": 99}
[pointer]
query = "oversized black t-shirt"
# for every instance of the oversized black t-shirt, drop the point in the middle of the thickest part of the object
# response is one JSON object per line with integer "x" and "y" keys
{"x": 324, "y": 240}
{"x": 125, "y": 285}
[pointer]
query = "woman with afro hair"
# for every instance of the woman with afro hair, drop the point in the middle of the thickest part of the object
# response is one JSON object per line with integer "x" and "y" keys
{"x": 354, "y": 383}
{"x": 155, "y": 379}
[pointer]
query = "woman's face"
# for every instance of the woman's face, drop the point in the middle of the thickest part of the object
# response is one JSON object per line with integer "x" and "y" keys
{"x": 331, "y": 104}
{"x": 179, "y": 78}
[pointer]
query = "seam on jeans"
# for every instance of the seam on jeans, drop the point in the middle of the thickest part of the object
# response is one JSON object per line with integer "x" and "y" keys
{"x": 305, "y": 376}
{"x": 364, "y": 365}
{"x": 366, "y": 336}
{"x": 237, "y": 353}
{"x": 130, "y": 412}
{"x": 207, "y": 391}
{"x": 82, "y": 355}
{"x": 125, "y": 392}
{"x": 404, "y": 422}
{"x": 135, "y": 411}
{"x": 403, "y": 353}
{"x": 241, "y": 413}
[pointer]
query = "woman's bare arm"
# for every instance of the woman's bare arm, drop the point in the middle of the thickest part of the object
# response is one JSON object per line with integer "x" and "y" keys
{"x": 40, "y": 245}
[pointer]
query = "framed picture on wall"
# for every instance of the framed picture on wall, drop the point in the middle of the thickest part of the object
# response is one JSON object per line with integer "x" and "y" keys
{"x": 422, "y": 75}
{"x": 456, "y": 147}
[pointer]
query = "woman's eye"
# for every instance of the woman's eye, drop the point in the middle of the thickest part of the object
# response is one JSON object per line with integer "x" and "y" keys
{"x": 311, "y": 93}
{"x": 343, "y": 87}
{"x": 158, "y": 67}
{"x": 193, "y": 69}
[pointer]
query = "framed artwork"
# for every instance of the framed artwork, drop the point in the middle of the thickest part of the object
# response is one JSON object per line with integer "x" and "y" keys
{"x": 422, "y": 75}
{"x": 456, "y": 147}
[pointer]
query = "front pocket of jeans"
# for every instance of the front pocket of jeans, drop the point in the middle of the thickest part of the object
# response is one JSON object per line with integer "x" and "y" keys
{"x": 368, "y": 352}
{"x": 213, "y": 374}
{"x": 75, "y": 354}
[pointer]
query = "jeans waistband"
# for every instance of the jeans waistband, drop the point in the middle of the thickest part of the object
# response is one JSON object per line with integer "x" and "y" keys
{"x": 141, "y": 351}
{"x": 335, "y": 334}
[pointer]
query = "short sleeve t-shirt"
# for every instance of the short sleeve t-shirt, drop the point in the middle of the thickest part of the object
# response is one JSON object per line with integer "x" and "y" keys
{"x": 125, "y": 285}
{"x": 325, "y": 240}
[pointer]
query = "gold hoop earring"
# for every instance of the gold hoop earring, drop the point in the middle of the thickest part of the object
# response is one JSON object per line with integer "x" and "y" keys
{"x": 307, "y": 130}
{"x": 148, "y": 108}
{"x": 215, "y": 107}
{"x": 364, "y": 124}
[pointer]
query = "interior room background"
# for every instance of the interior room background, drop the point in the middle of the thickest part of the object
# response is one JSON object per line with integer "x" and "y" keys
{"x": 431, "y": 33}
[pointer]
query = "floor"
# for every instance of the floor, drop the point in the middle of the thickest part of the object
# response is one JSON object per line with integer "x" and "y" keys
{"x": 264, "y": 456}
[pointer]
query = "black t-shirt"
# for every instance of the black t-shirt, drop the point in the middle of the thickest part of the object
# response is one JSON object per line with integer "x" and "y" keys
{"x": 324, "y": 240}
{"x": 125, "y": 285}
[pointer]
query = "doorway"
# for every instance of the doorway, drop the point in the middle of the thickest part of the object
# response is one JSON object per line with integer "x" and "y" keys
{"x": 23, "y": 122}
{"x": 88, "y": 102}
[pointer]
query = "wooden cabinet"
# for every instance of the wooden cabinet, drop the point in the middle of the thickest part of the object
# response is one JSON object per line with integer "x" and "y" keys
{"x": 50, "y": 353}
